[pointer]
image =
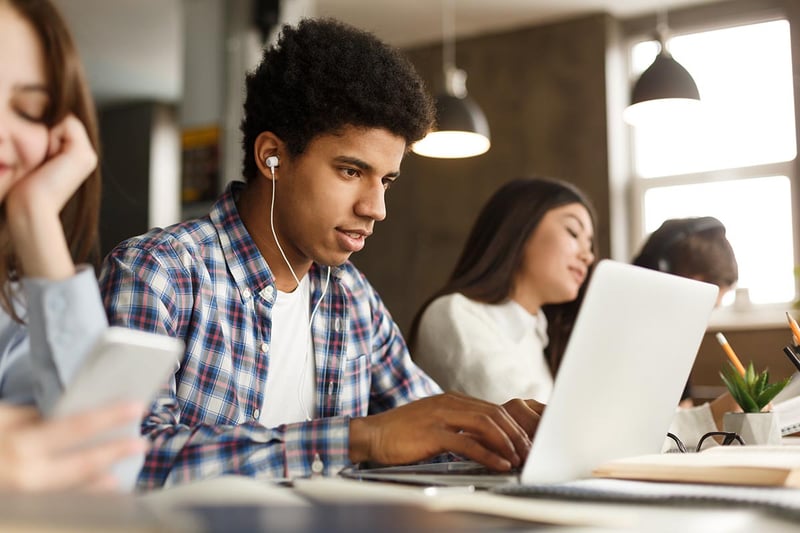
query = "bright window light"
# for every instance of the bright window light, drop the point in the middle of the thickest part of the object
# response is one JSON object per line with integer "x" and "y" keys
{"x": 744, "y": 76}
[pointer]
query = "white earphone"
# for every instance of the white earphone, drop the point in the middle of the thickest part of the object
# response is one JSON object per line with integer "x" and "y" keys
{"x": 272, "y": 162}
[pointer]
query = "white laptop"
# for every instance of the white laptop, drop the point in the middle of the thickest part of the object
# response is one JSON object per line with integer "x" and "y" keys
{"x": 626, "y": 363}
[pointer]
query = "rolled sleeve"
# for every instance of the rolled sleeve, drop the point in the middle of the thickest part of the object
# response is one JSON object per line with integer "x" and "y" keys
{"x": 65, "y": 319}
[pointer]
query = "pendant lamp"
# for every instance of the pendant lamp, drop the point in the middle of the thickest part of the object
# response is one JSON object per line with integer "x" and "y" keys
{"x": 461, "y": 128}
{"x": 665, "y": 91}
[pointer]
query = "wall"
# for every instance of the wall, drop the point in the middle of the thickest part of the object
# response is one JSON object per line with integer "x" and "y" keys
{"x": 542, "y": 90}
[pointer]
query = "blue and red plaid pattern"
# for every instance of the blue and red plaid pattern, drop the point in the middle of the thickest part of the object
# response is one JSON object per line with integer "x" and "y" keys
{"x": 205, "y": 281}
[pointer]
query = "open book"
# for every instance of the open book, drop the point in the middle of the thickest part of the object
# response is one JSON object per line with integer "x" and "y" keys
{"x": 774, "y": 466}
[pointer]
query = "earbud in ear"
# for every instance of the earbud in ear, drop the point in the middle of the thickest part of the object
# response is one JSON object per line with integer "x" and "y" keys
{"x": 272, "y": 162}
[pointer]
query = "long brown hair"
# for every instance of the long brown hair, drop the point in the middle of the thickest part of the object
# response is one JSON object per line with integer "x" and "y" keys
{"x": 68, "y": 93}
{"x": 493, "y": 253}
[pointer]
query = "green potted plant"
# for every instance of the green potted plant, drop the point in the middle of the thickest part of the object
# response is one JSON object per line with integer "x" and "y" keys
{"x": 753, "y": 392}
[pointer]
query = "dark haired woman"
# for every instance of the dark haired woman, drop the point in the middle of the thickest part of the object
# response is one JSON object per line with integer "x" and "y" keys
{"x": 498, "y": 328}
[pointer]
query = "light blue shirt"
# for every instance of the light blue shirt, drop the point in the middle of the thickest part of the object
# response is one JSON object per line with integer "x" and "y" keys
{"x": 63, "y": 320}
{"x": 38, "y": 359}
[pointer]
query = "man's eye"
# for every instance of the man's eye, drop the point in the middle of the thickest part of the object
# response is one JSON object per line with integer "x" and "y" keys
{"x": 351, "y": 172}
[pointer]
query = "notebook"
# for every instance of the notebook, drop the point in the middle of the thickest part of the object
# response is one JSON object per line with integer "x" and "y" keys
{"x": 623, "y": 371}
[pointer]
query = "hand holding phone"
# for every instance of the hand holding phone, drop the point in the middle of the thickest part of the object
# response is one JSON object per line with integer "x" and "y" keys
{"x": 125, "y": 366}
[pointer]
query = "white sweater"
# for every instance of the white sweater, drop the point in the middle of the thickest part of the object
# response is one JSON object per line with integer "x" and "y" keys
{"x": 491, "y": 351}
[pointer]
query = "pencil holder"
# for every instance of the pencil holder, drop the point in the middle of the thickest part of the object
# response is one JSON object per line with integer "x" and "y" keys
{"x": 754, "y": 428}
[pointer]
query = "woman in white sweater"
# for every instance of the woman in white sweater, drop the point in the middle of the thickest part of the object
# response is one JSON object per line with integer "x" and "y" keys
{"x": 498, "y": 328}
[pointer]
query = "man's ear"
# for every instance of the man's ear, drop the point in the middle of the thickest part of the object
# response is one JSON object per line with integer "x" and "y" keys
{"x": 267, "y": 145}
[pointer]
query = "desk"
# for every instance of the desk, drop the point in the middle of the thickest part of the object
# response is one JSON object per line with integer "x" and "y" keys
{"x": 59, "y": 513}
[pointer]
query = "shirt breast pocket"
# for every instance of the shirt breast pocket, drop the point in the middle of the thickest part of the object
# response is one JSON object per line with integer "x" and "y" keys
{"x": 356, "y": 380}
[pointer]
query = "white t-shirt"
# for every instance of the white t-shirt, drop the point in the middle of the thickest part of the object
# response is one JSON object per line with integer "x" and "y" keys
{"x": 289, "y": 394}
{"x": 491, "y": 351}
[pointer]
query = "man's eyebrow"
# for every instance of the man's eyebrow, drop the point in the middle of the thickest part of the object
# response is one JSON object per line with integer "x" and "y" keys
{"x": 363, "y": 165}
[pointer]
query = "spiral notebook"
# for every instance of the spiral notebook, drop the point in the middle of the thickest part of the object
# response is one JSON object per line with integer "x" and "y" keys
{"x": 625, "y": 365}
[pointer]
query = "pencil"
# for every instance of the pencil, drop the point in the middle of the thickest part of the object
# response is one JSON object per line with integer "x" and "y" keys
{"x": 730, "y": 353}
{"x": 795, "y": 328}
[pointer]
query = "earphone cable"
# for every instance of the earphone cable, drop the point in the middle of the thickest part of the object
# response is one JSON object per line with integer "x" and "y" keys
{"x": 313, "y": 312}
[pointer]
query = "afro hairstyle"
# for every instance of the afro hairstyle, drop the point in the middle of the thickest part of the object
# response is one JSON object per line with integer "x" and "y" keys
{"x": 322, "y": 76}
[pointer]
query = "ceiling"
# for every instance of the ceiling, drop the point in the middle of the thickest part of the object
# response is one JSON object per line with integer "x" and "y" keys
{"x": 411, "y": 22}
{"x": 135, "y": 48}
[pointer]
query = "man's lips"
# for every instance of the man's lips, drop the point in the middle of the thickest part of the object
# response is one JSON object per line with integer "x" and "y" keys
{"x": 352, "y": 240}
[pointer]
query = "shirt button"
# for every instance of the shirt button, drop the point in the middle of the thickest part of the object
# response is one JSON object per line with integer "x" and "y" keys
{"x": 264, "y": 347}
{"x": 269, "y": 290}
{"x": 246, "y": 293}
{"x": 337, "y": 324}
{"x": 256, "y": 414}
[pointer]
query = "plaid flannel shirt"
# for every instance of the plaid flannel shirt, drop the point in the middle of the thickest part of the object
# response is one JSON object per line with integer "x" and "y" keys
{"x": 205, "y": 281}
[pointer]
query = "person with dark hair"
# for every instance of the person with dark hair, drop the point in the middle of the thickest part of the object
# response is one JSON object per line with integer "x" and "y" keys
{"x": 499, "y": 326}
{"x": 52, "y": 312}
{"x": 695, "y": 248}
{"x": 293, "y": 365}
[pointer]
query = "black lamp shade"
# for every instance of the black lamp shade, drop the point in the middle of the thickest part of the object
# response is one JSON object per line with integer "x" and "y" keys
{"x": 665, "y": 78}
{"x": 460, "y": 114}
{"x": 461, "y": 130}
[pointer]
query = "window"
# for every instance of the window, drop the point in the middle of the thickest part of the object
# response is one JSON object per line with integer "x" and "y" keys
{"x": 735, "y": 160}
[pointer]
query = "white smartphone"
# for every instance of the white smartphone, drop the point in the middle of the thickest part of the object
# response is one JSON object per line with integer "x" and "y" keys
{"x": 125, "y": 365}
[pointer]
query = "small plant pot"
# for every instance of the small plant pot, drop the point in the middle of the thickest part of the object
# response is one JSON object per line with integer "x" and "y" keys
{"x": 754, "y": 428}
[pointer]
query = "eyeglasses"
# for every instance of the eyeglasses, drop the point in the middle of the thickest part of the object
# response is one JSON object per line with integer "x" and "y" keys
{"x": 728, "y": 439}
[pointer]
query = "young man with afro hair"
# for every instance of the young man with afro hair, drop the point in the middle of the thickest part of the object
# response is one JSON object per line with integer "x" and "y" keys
{"x": 293, "y": 365}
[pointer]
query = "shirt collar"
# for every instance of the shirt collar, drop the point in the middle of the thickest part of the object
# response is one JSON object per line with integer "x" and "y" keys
{"x": 518, "y": 322}
{"x": 247, "y": 266}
